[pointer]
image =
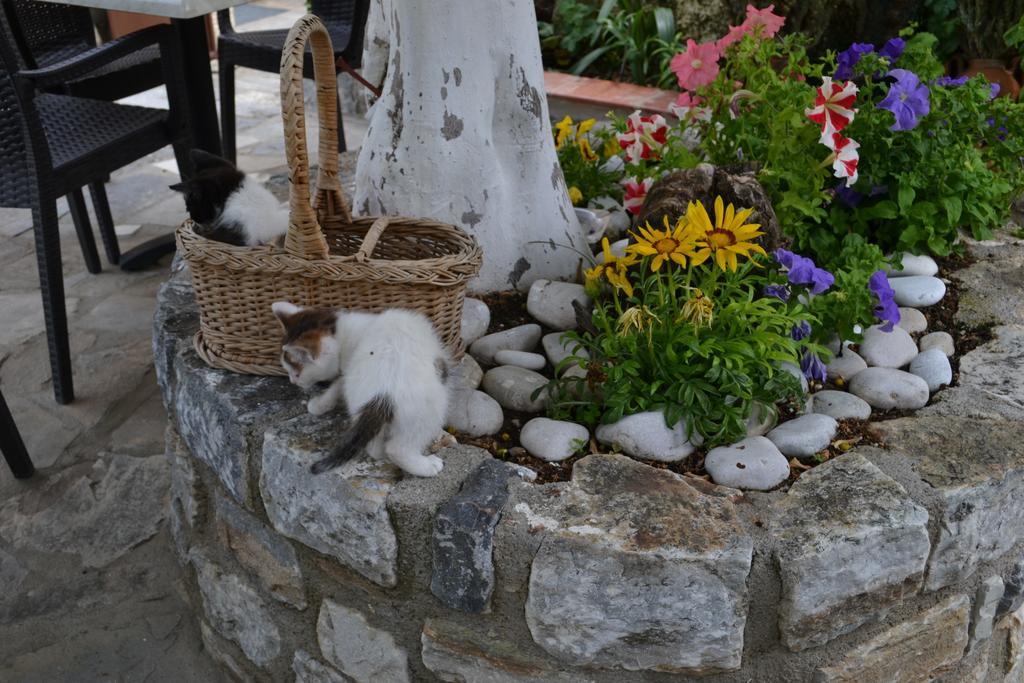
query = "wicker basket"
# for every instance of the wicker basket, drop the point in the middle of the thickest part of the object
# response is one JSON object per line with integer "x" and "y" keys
{"x": 329, "y": 258}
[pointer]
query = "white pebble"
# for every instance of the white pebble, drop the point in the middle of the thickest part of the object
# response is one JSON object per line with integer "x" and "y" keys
{"x": 523, "y": 359}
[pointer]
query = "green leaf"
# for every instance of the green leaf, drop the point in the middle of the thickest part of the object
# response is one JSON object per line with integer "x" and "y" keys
{"x": 588, "y": 59}
{"x": 666, "y": 23}
{"x": 954, "y": 207}
{"x": 905, "y": 197}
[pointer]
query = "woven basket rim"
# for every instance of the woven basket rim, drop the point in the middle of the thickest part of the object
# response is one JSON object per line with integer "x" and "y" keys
{"x": 465, "y": 262}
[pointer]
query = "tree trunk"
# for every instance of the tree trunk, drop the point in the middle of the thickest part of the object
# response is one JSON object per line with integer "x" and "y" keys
{"x": 461, "y": 134}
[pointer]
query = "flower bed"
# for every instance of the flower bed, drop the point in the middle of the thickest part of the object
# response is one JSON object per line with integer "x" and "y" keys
{"x": 898, "y": 563}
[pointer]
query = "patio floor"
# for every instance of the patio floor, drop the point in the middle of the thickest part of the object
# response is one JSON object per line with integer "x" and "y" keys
{"x": 89, "y": 586}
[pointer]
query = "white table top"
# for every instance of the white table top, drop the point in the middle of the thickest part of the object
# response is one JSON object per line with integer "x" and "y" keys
{"x": 175, "y": 9}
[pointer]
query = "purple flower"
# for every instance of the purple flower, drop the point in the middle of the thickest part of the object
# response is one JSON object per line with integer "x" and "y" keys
{"x": 993, "y": 90}
{"x": 950, "y": 82}
{"x": 907, "y": 99}
{"x": 780, "y": 292}
{"x": 801, "y": 331}
{"x": 887, "y": 311}
{"x": 848, "y": 195}
{"x": 812, "y": 366}
{"x": 849, "y": 57}
{"x": 892, "y": 49}
{"x": 802, "y": 271}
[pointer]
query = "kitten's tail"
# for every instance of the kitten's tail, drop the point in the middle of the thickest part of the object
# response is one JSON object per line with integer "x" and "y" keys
{"x": 373, "y": 417}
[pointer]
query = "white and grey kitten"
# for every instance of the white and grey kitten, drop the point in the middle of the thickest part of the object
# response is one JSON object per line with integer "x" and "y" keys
{"x": 391, "y": 370}
{"x": 229, "y": 206}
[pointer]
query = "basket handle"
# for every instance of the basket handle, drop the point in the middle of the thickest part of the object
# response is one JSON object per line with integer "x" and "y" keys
{"x": 370, "y": 241}
{"x": 305, "y": 239}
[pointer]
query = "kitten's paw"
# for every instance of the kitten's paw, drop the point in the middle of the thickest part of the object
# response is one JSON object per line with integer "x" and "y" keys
{"x": 426, "y": 466}
{"x": 319, "y": 405}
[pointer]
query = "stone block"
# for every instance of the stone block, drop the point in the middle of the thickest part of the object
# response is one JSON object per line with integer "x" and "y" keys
{"x": 463, "y": 567}
{"x": 988, "y": 386}
{"x": 341, "y": 513}
{"x": 267, "y": 556}
{"x": 175, "y": 321}
{"x": 658, "y": 571}
{"x": 983, "y": 615}
{"x": 236, "y": 611}
{"x": 367, "y": 654}
{"x": 977, "y": 469}
{"x": 459, "y": 654}
{"x": 218, "y": 410}
{"x": 851, "y": 545}
{"x": 219, "y": 651}
{"x": 912, "y": 651}
{"x": 308, "y": 669}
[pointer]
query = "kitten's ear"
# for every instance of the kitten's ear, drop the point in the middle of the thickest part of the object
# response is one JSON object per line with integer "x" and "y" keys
{"x": 284, "y": 310}
{"x": 204, "y": 160}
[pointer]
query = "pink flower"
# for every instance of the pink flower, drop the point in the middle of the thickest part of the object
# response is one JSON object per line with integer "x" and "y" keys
{"x": 769, "y": 22}
{"x": 833, "y": 107}
{"x": 687, "y": 108}
{"x": 846, "y": 158}
{"x": 734, "y": 35}
{"x": 697, "y": 66}
{"x": 635, "y": 193}
{"x": 643, "y": 137}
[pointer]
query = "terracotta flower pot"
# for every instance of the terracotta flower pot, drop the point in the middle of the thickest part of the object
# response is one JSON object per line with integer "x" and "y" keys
{"x": 996, "y": 72}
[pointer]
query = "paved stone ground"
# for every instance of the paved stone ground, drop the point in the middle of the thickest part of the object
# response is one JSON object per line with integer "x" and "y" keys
{"x": 89, "y": 586}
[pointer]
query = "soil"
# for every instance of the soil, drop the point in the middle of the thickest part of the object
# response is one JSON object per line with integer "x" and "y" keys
{"x": 508, "y": 309}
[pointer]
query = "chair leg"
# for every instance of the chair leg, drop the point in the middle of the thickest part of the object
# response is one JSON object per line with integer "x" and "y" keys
{"x": 226, "y": 75}
{"x": 51, "y": 285}
{"x": 100, "y": 205}
{"x": 79, "y": 214}
{"x": 341, "y": 129}
{"x": 181, "y": 155}
{"x": 12, "y": 446}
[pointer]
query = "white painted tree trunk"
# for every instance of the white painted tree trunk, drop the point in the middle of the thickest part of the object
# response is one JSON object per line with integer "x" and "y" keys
{"x": 461, "y": 134}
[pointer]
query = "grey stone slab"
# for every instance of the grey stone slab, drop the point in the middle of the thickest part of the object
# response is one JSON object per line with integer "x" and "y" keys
{"x": 343, "y": 512}
{"x": 991, "y": 292}
{"x": 237, "y": 612}
{"x": 308, "y": 669}
{"x": 911, "y": 651}
{"x": 217, "y": 412}
{"x": 97, "y": 512}
{"x": 463, "y": 537}
{"x": 851, "y": 546}
{"x": 991, "y": 381}
{"x": 983, "y": 614}
{"x": 459, "y": 654}
{"x": 364, "y": 652}
{"x": 977, "y": 469}
{"x": 267, "y": 556}
{"x": 678, "y": 561}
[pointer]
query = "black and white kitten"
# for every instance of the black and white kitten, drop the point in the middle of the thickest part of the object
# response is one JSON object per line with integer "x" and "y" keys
{"x": 230, "y": 207}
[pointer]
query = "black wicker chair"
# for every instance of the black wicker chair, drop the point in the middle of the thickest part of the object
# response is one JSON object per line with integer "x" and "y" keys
{"x": 53, "y": 145}
{"x": 47, "y": 33}
{"x": 261, "y": 50}
{"x": 12, "y": 446}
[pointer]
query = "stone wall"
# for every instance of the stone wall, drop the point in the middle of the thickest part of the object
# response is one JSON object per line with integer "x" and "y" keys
{"x": 896, "y": 564}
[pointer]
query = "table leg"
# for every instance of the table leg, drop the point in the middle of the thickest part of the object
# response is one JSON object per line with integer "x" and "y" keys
{"x": 202, "y": 119}
{"x": 201, "y": 102}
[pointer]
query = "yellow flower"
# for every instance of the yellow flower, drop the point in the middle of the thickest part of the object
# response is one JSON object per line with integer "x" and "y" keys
{"x": 614, "y": 269}
{"x": 727, "y": 238}
{"x": 586, "y": 150}
{"x": 564, "y": 127}
{"x": 638, "y": 317}
{"x": 672, "y": 243}
{"x": 575, "y": 196}
{"x": 698, "y": 309}
{"x": 584, "y": 127}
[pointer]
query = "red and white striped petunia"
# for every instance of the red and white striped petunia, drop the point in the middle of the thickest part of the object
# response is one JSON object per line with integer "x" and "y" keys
{"x": 846, "y": 158}
{"x": 636, "y": 191}
{"x": 643, "y": 137}
{"x": 833, "y": 107}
